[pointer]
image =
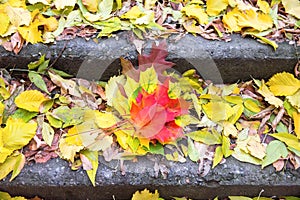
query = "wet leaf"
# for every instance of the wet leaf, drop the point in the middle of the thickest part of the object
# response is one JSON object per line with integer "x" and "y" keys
{"x": 275, "y": 150}
{"x": 30, "y": 100}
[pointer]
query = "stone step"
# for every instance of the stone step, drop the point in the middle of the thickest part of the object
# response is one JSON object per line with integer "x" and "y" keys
{"x": 215, "y": 60}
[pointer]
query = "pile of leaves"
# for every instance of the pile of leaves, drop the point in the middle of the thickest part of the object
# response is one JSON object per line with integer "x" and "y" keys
{"x": 147, "y": 109}
{"x": 45, "y": 21}
{"x": 147, "y": 195}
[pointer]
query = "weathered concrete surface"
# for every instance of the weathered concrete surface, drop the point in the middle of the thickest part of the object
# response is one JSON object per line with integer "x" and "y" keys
{"x": 55, "y": 180}
{"x": 215, "y": 60}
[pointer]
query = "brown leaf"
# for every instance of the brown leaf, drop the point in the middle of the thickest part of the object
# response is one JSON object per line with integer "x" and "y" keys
{"x": 279, "y": 164}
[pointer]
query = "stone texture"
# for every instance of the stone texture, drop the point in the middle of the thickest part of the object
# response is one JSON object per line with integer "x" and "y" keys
{"x": 215, "y": 60}
{"x": 55, "y": 180}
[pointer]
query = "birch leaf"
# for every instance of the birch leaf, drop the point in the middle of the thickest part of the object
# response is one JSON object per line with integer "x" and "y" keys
{"x": 4, "y": 23}
{"x": 47, "y": 133}
{"x": 215, "y": 7}
{"x": 292, "y": 7}
{"x": 283, "y": 84}
{"x": 13, "y": 163}
{"x": 30, "y": 100}
{"x": 269, "y": 96}
{"x": 18, "y": 16}
{"x": 92, "y": 157}
{"x": 288, "y": 139}
{"x": 275, "y": 150}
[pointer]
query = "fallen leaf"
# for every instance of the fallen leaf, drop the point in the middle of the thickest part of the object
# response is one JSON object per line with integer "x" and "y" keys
{"x": 275, "y": 150}
{"x": 92, "y": 157}
{"x": 292, "y": 7}
{"x": 13, "y": 163}
{"x": 283, "y": 84}
{"x": 288, "y": 139}
{"x": 197, "y": 12}
{"x": 18, "y": 16}
{"x": 214, "y": 8}
{"x": 61, "y": 4}
{"x": 269, "y": 96}
{"x": 31, "y": 33}
{"x": 30, "y": 100}
{"x": 4, "y": 23}
{"x": 145, "y": 194}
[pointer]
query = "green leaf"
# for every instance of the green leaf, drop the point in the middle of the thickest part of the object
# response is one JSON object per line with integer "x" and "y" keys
{"x": 69, "y": 116}
{"x": 38, "y": 81}
{"x": 35, "y": 64}
{"x": 288, "y": 139}
{"x": 133, "y": 143}
{"x": 218, "y": 156}
{"x": 61, "y": 73}
{"x": 156, "y": 149}
{"x": 23, "y": 114}
{"x": 275, "y": 150}
{"x": 43, "y": 66}
{"x": 92, "y": 158}
{"x": 47, "y": 133}
{"x": 5, "y": 196}
{"x": 56, "y": 123}
{"x": 192, "y": 151}
{"x": 205, "y": 136}
{"x": 245, "y": 157}
{"x": 291, "y": 198}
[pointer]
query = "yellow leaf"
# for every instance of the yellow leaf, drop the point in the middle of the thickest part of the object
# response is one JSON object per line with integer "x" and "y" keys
{"x": 269, "y": 96}
{"x": 192, "y": 27}
{"x": 294, "y": 100}
{"x": 30, "y": 100}
{"x": 91, "y": 5}
{"x": 145, "y": 194}
{"x": 50, "y": 23}
{"x": 18, "y": 16}
{"x": 31, "y": 33}
{"x": 230, "y": 20}
{"x": 61, "y": 4}
{"x": 105, "y": 119}
{"x": 13, "y": 163}
{"x": 4, "y": 23}
{"x": 256, "y": 149}
{"x": 133, "y": 13}
{"x": 122, "y": 138}
{"x": 196, "y": 12}
{"x": 2, "y": 107}
{"x": 229, "y": 129}
{"x": 148, "y": 79}
{"x": 264, "y": 6}
{"x": 92, "y": 157}
{"x": 68, "y": 151}
{"x": 296, "y": 118}
{"x": 258, "y": 21}
{"x": 238, "y": 111}
{"x": 283, "y": 84}
{"x": 292, "y": 7}
{"x": 215, "y": 7}
{"x": 218, "y": 156}
{"x": 251, "y": 105}
{"x": 17, "y": 3}
{"x": 15, "y": 135}
{"x": 218, "y": 111}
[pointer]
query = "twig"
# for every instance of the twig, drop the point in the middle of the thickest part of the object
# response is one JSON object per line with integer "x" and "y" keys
{"x": 59, "y": 55}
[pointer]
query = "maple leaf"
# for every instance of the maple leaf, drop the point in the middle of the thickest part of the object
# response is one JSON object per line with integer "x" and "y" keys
{"x": 157, "y": 59}
{"x": 153, "y": 114}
